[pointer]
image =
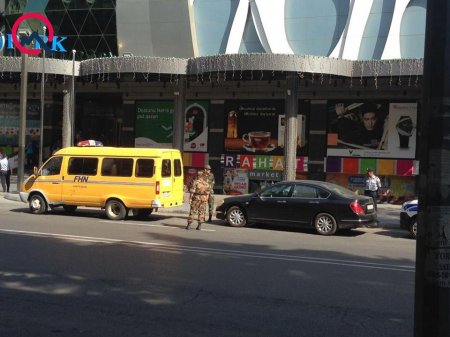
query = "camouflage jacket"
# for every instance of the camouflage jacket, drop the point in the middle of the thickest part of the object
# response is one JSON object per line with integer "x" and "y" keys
{"x": 200, "y": 188}
{"x": 210, "y": 179}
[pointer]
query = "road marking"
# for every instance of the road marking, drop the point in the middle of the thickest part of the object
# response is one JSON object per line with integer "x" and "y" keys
{"x": 151, "y": 225}
{"x": 226, "y": 252}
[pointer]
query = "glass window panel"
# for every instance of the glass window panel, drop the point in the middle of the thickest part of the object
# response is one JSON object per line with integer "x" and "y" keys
{"x": 178, "y": 167}
{"x": 119, "y": 167}
{"x": 82, "y": 166}
{"x": 90, "y": 25}
{"x": 110, "y": 28}
{"x": 145, "y": 168}
{"x": 166, "y": 169}
{"x": 281, "y": 190}
{"x": 52, "y": 167}
{"x": 301, "y": 191}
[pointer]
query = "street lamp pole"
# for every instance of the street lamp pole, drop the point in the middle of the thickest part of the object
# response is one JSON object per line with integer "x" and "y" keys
{"x": 72, "y": 99}
{"x": 41, "y": 145}
{"x": 22, "y": 120}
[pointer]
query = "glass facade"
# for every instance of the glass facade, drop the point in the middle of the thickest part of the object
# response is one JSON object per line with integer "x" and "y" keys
{"x": 89, "y": 25}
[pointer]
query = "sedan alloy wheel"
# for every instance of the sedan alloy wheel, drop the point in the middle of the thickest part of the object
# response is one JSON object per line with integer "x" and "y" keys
{"x": 325, "y": 224}
{"x": 236, "y": 217}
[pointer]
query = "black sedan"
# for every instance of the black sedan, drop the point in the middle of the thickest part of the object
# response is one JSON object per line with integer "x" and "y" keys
{"x": 324, "y": 206}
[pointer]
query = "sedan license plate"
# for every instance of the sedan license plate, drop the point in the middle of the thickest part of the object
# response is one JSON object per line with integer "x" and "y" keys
{"x": 370, "y": 207}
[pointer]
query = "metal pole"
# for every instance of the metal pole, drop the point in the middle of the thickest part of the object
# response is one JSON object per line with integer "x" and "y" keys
{"x": 72, "y": 100}
{"x": 432, "y": 295}
{"x": 290, "y": 136}
{"x": 178, "y": 114}
{"x": 41, "y": 145}
{"x": 22, "y": 119}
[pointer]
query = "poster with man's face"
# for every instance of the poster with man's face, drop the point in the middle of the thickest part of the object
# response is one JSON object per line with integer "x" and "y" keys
{"x": 372, "y": 129}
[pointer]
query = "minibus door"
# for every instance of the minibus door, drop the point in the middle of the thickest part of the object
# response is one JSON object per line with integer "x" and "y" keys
{"x": 177, "y": 180}
{"x": 166, "y": 180}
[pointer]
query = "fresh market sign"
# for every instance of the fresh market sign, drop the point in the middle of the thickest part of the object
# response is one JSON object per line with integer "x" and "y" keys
{"x": 40, "y": 41}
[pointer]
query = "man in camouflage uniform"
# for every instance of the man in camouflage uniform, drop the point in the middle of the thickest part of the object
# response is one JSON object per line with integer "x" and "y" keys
{"x": 210, "y": 179}
{"x": 198, "y": 198}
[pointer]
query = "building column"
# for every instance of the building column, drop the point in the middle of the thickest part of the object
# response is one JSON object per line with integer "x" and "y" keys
{"x": 432, "y": 295}
{"x": 317, "y": 139}
{"x": 178, "y": 114}
{"x": 290, "y": 137}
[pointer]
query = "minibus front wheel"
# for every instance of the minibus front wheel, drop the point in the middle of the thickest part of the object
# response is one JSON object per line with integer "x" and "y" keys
{"x": 115, "y": 209}
{"x": 37, "y": 203}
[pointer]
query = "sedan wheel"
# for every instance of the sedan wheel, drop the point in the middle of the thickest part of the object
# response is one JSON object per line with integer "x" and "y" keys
{"x": 236, "y": 217}
{"x": 325, "y": 224}
{"x": 115, "y": 210}
{"x": 37, "y": 204}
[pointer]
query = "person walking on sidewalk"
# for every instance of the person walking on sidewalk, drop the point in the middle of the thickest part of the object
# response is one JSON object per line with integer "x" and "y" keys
{"x": 210, "y": 179}
{"x": 5, "y": 172}
{"x": 373, "y": 183}
{"x": 198, "y": 198}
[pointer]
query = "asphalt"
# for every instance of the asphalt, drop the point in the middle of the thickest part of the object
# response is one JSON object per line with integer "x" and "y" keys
{"x": 388, "y": 214}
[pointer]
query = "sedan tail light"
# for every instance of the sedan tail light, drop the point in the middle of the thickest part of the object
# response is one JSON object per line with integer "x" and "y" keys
{"x": 357, "y": 208}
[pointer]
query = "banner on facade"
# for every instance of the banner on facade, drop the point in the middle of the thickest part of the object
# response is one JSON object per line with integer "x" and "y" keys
{"x": 196, "y": 126}
{"x": 252, "y": 126}
{"x": 154, "y": 124}
{"x": 9, "y": 122}
{"x": 372, "y": 129}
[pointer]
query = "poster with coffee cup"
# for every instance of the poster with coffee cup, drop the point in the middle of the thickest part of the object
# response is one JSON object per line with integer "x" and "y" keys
{"x": 252, "y": 126}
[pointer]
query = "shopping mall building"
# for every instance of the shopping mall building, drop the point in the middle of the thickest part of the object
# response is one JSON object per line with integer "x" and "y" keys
{"x": 333, "y": 86}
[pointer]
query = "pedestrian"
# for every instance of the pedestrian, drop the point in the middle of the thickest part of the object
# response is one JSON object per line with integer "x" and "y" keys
{"x": 198, "y": 198}
{"x": 210, "y": 179}
{"x": 5, "y": 172}
{"x": 373, "y": 183}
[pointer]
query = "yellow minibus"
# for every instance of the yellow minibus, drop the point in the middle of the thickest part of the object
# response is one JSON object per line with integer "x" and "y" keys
{"x": 116, "y": 179}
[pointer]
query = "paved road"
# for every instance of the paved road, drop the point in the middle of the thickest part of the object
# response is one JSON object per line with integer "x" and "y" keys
{"x": 84, "y": 275}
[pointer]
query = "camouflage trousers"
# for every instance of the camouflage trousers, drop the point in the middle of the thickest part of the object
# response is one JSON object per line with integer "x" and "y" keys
{"x": 198, "y": 211}
{"x": 211, "y": 205}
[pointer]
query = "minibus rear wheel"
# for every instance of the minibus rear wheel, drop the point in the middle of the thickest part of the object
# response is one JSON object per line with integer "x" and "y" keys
{"x": 37, "y": 203}
{"x": 115, "y": 210}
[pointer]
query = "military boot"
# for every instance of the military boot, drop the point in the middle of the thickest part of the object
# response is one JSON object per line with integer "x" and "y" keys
{"x": 188, "y": 226}
{"x": 210, "y": 218}
{"x": 199, "y": 227}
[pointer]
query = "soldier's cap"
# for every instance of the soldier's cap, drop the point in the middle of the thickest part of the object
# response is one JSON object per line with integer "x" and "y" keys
{"x": 207, "y": 167}
{"x": 369, "y": 170}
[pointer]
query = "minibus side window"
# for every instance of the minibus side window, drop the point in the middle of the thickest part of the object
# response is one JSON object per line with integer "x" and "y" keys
{"x": 177, "y": 167}
{"x": 83, "y": 166}
{"x": 52, "y": 167}
{"x": 166, "y": 170}
{"x": 117, "y": 167}
{"x": 145, "y": 168}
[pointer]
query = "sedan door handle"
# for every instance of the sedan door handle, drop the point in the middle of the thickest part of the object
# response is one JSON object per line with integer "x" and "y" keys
{"x": 281, "y": 201}
{"x": 313, "y": 202}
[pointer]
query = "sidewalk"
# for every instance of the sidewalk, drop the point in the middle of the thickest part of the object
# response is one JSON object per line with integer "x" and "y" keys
{"x": 388, "y": 215}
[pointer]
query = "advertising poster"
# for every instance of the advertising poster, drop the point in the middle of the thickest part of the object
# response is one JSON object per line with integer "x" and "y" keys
{"x": 252, "y": 126}
{"x": 9, "y": 122}
{"x": 394, "y": 189}
{"x": 196, "y": 126}
{"x": 154, "y": 124}
{"x": 301, "y": 133}
{"x": 372, "y": 129}
{"x": 235, "y": 181}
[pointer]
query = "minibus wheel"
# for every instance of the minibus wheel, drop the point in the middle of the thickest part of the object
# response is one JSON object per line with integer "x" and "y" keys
{"x": 37, "y": 203}
{"x": 115, "y": 210}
